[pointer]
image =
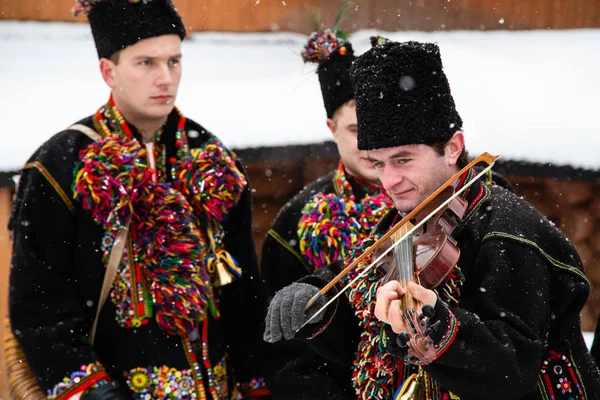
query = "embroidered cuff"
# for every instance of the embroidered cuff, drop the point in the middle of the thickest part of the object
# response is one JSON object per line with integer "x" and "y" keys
{"x": 389, "y": 342}
{"x": 256, "y": 387}
{"x": 88, "y": 377}
{"x": 444, "y": 335}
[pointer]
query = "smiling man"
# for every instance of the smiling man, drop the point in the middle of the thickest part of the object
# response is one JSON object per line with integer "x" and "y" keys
{"x": 503, "y": 323}
{"x": 143, "y": 205}
{"x": 319, "y": 225}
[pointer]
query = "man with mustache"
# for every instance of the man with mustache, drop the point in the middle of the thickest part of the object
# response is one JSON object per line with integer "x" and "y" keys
{"x": 142, "y": 192}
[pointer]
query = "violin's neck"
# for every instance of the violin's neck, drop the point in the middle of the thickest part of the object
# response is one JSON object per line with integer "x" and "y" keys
{"x": 404, "y": 260}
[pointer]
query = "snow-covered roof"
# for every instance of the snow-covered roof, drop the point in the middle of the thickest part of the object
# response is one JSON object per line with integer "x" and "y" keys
{"x": 525, "y": 95}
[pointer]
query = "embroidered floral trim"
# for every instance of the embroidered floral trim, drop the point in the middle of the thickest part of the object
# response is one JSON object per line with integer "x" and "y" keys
{"x": 219, "y": 374}
{"x": 88, "y": 377}
{"x": 161, "y": 383}
{"x": 196, "y": 369}
{"x": 254, "y": 388}
{"x": 448, "y": 336}
{"x": 559, "y": 377}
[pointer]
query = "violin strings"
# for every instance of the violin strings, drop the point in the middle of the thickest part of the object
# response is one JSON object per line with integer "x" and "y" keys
{"x": 407, "y": 270}
{"x": 394, "y": 245}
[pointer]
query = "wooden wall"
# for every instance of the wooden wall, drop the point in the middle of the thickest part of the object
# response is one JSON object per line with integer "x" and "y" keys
{"x": 5, "y": 201}
{"x": 389, "y": 15}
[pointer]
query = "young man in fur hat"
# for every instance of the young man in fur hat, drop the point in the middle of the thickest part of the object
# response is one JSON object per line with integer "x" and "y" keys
{"x": 158, "y": 198}
{"x": 320, "y": 224}
{"x": 505, "y": 320}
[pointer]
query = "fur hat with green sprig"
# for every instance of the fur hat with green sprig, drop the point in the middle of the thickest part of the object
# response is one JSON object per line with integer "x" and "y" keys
{"x": 332, "y": 51}
{"x": 117, "y": 24}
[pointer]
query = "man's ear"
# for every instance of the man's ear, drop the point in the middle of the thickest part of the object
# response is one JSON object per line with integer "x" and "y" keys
{"x": 332, "y": 127}
{"x": 454, "y": 147}
{"x": 107, "y": 69}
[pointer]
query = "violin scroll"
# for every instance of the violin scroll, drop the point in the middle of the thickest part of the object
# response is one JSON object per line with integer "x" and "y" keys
{"x": 420, "y": 346}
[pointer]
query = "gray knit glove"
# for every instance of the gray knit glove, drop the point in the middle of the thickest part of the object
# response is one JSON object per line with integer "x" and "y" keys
{"x": 286, "y": 312}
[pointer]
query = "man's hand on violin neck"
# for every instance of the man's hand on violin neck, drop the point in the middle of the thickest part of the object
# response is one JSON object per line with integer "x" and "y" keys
{"x": 388, "y": 307}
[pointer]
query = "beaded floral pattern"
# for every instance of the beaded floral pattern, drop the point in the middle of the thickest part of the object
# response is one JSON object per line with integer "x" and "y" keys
{"x": 89, "y": 376}
{"x": 219, "y": 373}
{"x": 161, "y": 383}
{"x": 561, "y": 378}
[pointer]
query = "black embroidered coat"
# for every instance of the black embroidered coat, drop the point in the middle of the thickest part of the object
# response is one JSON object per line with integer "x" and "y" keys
{"x": 57, "y": 273}
{"x": 516, "y": 333}
{"x": 596, "y": 344}
{"x": 294, "y": 370}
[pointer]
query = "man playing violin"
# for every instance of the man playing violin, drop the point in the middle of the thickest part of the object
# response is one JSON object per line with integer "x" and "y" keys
{"x": 301, "y": 239}
{"x": 503, "y": 323}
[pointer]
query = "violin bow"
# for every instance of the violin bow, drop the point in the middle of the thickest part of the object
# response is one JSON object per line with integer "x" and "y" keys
{"x": 484, "y": 157}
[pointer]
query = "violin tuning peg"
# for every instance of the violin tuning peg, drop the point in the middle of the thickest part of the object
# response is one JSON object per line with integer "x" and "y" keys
{"x": 428, "y": 311}
{"x": 432, "y": 327}
{"x": 402, "y": 340}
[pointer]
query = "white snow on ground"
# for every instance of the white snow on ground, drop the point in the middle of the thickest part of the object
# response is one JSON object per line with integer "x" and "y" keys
{"x": 529, "y": 95}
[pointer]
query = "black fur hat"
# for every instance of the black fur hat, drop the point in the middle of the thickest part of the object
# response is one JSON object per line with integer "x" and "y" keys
{"x": 402, "y": 96}
{"x": 117, "y": 24}
{"x": 335, "y": 57}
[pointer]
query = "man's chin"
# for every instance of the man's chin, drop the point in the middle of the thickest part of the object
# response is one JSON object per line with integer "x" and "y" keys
{"x": 404, "y": 205}
{"x": 159, "y": 111}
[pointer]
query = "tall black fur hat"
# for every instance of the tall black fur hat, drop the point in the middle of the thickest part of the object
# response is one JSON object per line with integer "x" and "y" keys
{"x": 117, "y": 24}
{"x": 402, "y": 96}
{"x": 334, "y": 56}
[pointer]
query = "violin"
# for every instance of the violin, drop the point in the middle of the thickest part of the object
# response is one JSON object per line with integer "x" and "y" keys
{"x": 439, "y": 207}
{"x": 426, "y": 257}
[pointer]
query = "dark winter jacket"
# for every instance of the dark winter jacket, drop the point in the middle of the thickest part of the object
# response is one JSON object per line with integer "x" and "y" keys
{"x": 294, "y": 370}
{"x": 57, "y": 273}
{"x": 516, "y": 331}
